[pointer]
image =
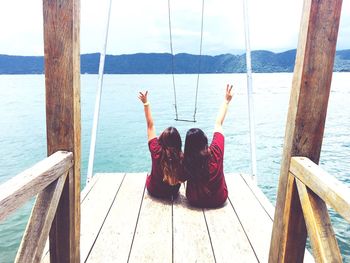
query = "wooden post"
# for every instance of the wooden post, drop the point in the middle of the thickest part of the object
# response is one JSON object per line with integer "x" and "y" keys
{"x": 319, "y": 226}
{"x": 62, "y": 79}
{"x": 305, "y": 121}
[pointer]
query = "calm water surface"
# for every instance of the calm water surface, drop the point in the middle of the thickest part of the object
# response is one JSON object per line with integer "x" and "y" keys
{"x": 122, "y": 142}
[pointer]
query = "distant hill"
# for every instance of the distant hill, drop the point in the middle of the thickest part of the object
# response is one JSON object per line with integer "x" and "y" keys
{"x": 21, "y": 65}
{"x": 160, "y": 63}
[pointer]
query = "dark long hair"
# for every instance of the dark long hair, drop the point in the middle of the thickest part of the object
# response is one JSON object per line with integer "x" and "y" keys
{"x": 196, "y": 156}
{"x": 171, "y": 155}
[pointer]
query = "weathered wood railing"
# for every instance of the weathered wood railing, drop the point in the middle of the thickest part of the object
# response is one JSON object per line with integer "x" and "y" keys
{"x": 316, "y": 188}
{"x": 306, "y": 120}
{"x": 46, "y": 180}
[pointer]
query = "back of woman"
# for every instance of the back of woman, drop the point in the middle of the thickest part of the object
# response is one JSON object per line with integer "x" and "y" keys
{"x": 206, "y": 185}
{"x": 165, "y": 177}
{"x": 203, "y": 164}
{"x": 166, "y": 154}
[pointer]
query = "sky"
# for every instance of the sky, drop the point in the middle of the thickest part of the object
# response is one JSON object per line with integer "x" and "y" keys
{"x": 142, "y": 26}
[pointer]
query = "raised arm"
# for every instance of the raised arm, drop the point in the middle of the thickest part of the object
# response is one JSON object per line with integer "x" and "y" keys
{"x": 151, "y": 131}
{"x": 223, "y": 109}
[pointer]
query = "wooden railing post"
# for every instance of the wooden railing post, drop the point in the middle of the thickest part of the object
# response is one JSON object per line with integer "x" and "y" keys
{"x": 319, "y": 226}
{"x": 62, "y": 80}
{"x": 305, "y": 121}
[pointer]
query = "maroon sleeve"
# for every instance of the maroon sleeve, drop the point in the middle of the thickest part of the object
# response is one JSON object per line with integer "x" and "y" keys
{"x": 154, "y": 148}
{"x": 217, "y": 145}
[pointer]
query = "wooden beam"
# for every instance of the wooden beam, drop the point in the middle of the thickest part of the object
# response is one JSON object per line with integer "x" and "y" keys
{"x": 292, "y": 209}
{"x": 191, "y": 241}
{"x": 39, "y": 224}
{"x": 15, "y": 192}
{"x": 306, "y": 117}
{"x": 95, "y": 210}
{"x": 326, "y": 186}
{"x": 147, "y": 245}
{"x": 324, "y": 244}
{"x": 115, "y": 239}
{"x": 249, "y": 212}
{"x": 62, "y": 79}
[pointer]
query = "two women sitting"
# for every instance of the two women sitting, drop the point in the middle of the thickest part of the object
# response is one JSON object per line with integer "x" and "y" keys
{"x": 201, "y": 165}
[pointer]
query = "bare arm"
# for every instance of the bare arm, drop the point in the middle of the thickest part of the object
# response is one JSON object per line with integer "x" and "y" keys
{"x": 223, "y": 110}
{"x": 151, "y": 131}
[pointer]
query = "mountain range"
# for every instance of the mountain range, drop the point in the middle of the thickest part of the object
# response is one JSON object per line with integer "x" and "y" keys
{"x": 161, "y": 63}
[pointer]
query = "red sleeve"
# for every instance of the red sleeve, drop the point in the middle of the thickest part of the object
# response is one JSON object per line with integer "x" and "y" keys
{"x": 154, "y": 148}
{"x": 217, "y": 145}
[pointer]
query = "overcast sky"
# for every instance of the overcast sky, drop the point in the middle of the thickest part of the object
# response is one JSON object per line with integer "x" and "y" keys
{"x": 142, "y": 26}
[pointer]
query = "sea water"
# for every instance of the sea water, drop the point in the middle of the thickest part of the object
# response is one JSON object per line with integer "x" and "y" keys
{"x": 122, "y": 142}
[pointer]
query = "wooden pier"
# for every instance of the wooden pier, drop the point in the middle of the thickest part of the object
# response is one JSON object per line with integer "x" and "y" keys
{"x": 121, "y": 222}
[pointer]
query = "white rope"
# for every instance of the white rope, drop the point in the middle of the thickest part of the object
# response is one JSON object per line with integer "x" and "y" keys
{"x": 98, "y": 101}
{"x": 250, "y": 93}
{"x": 172, "y": 60}
{"x": 199, "y": 64}
{"x": 172, "y": 65}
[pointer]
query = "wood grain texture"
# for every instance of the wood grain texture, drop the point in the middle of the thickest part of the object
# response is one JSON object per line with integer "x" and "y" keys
{"x": 16, "y": 191}
{"x": 265, "y": 204}
{"x": 161, "y": 235}
{"x": 153, "y": 236}
{"x": 306, "y": 117}
{"x": 228, "y": 238}
{"x": 83, "y": 194}
{"x": 96, "y": 207}
{"x": 114, "y": 241}
{"x": 324, "y": 244}
{"x": 292, "y": 214}
{"x": 252, "y": 216}
{"x": 327, "y": 187}
{"x": 88, "y": 187}
{"x": 260, "y": 196}
{"x": 190, "y": 234}
{"x": 91, "y": 221}
{"x": 62, "y": 81}
{"x": 39, "y": 224}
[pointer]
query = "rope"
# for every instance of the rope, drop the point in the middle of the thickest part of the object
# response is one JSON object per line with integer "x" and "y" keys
{"x": 172, "y": 64}
{"x": 172, "y": 60}
{"x": 199, "y": 63}
{"x": 98, "y": 101}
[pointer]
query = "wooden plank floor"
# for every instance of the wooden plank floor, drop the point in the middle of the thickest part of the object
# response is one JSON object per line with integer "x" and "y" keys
{"x": 122, "y": 223}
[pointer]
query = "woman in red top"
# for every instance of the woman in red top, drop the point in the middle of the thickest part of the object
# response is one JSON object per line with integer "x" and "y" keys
{"x": 164, "y": 180}
{"x": 206, "y": 185}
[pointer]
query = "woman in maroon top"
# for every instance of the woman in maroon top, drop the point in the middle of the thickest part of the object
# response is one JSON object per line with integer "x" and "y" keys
{"x": 164, "y": 180}
{"x": 206, "y": 185}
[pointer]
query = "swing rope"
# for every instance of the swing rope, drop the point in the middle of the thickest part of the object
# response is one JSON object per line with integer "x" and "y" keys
{"x": 172, "y": 60}
{"x": 172, "y": 65}
{"x": 199, "y": 63}
{"x": 249, "y": 87}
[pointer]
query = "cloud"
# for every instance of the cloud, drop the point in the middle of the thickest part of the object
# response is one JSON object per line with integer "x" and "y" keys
{"x": 142, "y": 26}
